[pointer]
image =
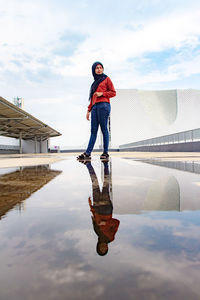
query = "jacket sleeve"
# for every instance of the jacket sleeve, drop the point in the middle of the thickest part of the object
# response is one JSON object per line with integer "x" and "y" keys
{"x": 111, "y": 90}
{"x": 90, "y": 105}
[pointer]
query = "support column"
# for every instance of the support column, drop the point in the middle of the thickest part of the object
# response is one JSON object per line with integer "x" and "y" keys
{"x": 40, "y": 144}
{"x": 20, "y": 142}
{"x": 48, "y": 144}
{"x": 35, "y": 144}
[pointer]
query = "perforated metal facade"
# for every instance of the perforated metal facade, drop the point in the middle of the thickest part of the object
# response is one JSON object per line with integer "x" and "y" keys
{"x": 141, "y": 115}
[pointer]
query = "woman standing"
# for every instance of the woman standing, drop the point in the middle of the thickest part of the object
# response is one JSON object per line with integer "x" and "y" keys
{"x": 101, "y": 91}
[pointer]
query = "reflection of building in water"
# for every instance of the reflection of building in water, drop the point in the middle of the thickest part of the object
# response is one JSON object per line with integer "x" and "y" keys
{"x": 164, "y": 194}
{"x": 188, "y": 166}
{"x": 15, "y": 187}
{"x": 140, "y": 186}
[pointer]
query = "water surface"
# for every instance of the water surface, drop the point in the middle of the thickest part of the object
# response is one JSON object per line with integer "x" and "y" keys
{"x": 147, "y": 215}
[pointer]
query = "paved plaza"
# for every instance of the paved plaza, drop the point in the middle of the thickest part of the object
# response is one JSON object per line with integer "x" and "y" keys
{"x": 15, "y": 160}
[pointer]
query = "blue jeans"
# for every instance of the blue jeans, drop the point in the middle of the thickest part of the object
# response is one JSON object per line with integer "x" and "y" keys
{"x": 99, "y": 116}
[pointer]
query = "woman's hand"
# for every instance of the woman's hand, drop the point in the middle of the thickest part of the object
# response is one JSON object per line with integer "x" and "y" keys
{"x": 101, "y": 223}
{"x": 98, "y": 94}
{"x": 88, "y": 116}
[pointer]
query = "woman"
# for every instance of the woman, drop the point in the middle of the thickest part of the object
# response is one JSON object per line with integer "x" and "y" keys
{"x": 101, "y": 91}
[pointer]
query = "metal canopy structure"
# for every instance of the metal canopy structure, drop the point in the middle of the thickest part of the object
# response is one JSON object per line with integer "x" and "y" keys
{"x": 17, "y": 123}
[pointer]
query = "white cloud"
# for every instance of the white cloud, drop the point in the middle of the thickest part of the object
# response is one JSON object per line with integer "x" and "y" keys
{"x": 32, "y": 32}
{"x": 117, "y": 45}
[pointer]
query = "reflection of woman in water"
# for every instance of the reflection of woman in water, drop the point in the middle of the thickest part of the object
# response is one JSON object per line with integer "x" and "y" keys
{"x": 104, "y": 224}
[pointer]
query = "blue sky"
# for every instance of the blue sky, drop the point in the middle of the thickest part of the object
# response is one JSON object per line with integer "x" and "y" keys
{"x": 47, "y": 49}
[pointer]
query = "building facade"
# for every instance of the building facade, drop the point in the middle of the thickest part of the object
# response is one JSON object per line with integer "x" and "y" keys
{"x": 139, "y": 116}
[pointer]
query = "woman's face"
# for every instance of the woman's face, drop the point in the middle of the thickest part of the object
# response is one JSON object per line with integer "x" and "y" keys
{"x": 99, "y": 70}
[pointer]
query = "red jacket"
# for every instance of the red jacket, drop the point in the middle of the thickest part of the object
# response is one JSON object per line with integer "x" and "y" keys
{"x": 110, "y": 228}
{"x": 107, "y": 87}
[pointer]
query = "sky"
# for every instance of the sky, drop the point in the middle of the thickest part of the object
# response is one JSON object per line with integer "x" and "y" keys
{"x": 47, "y": 48}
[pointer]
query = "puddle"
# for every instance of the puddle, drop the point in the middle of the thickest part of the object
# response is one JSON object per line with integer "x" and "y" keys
{"x": 18, "y": 185}
{"x": 119, "y": 230}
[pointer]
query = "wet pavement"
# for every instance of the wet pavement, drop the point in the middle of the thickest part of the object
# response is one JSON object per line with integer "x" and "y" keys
{"x": 123, "y": 229}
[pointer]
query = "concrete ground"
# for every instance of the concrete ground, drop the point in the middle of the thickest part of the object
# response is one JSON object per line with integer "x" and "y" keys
{"x": 16, "y": 160}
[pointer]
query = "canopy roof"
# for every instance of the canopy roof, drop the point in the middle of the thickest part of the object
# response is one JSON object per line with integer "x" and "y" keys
{"x": 15, "y": 122}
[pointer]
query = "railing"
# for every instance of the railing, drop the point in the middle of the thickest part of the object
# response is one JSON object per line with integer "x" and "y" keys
{"x": 188, "y": 166}
{"x": 9, "y": 147}
{"x": 175, "y": 138}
